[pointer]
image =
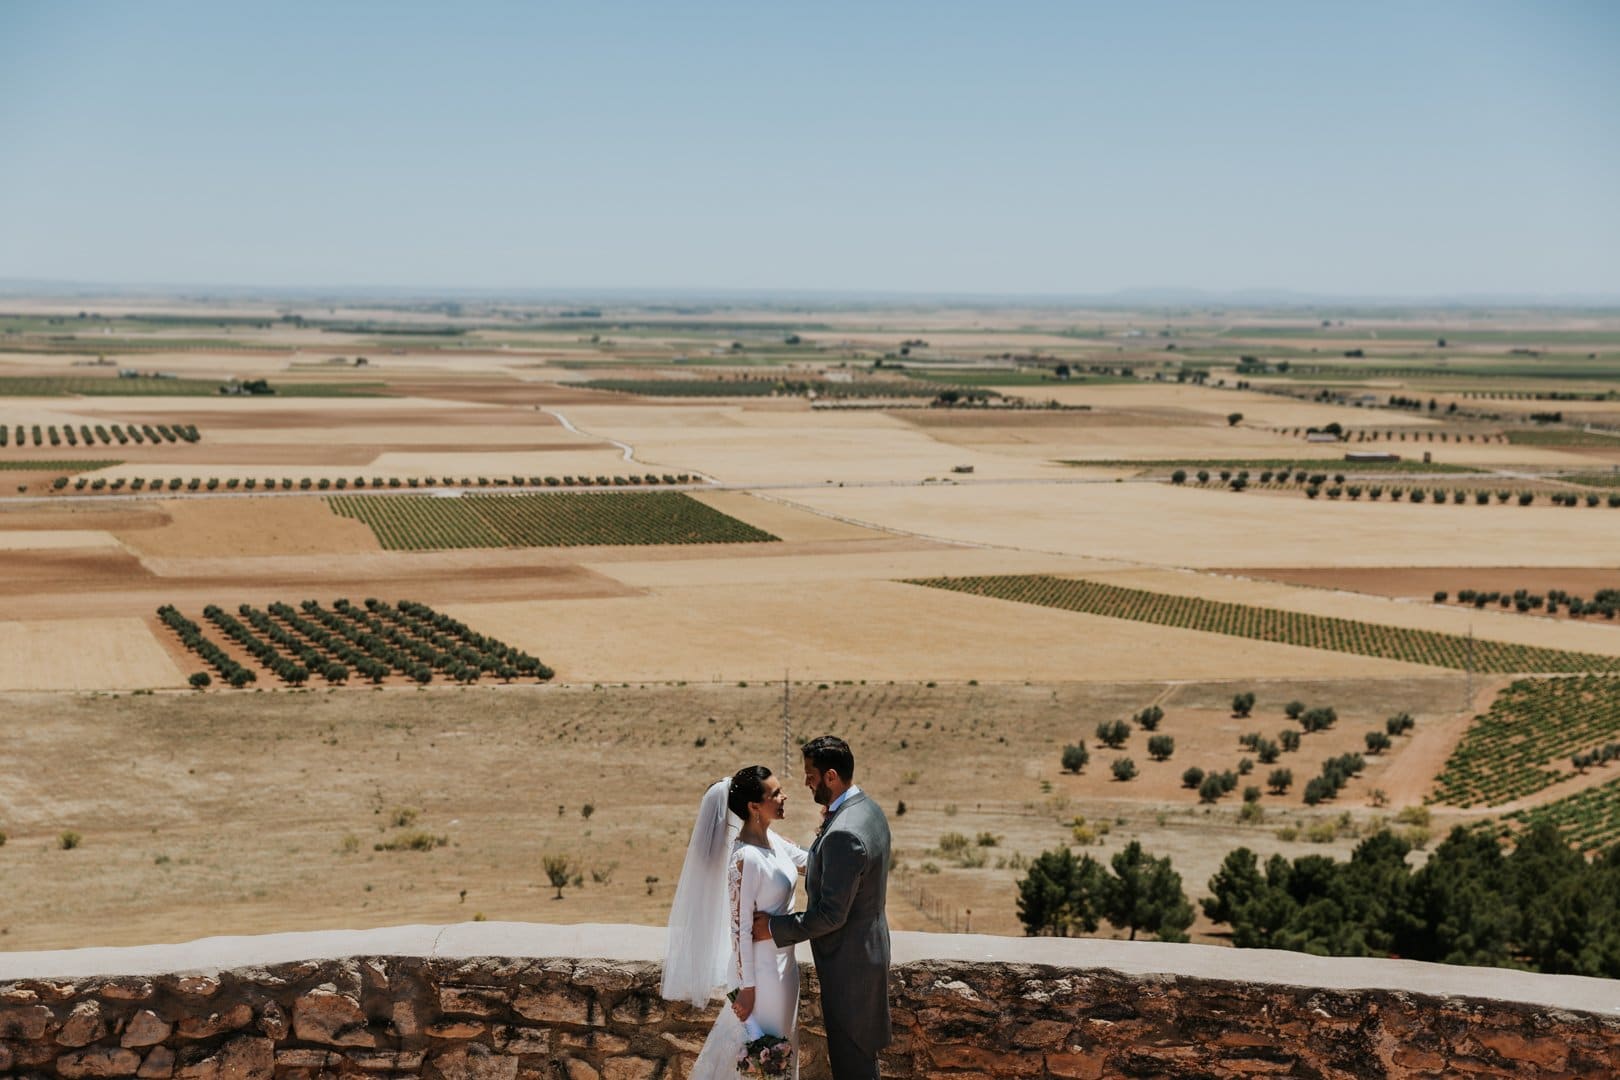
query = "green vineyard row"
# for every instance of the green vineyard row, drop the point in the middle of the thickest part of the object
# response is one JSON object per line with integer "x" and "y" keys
{"x": 1428, "y": 647}
{"x": 1590, "y": 819}
{"x": 426, "y": 523}
{"x": 91, "y": 386}
{"x": 1523, "y": 744}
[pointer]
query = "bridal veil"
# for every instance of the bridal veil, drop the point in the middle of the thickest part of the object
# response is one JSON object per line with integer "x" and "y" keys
{"x": 699, "y": 920}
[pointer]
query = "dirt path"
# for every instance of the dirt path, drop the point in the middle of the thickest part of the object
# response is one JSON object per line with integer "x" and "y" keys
{"x": 1411, "y": 773}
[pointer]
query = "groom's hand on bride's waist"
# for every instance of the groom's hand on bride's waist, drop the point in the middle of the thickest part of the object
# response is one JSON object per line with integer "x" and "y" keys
{"x": 762, "y": 926}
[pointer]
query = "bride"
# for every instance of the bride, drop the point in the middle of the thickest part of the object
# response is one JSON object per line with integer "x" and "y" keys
{"x": 734, "y": 867}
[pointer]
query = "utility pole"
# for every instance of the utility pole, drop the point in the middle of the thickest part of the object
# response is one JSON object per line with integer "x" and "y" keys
{"x": 787, "y": 723}
{"x": 1469, "y": 703}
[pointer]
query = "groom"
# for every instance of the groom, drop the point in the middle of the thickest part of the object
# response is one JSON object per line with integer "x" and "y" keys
{"x": 847, "y": 880}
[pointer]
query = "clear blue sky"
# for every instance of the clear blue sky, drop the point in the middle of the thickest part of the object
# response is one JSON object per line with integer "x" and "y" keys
{"x": 1387, "y": 148}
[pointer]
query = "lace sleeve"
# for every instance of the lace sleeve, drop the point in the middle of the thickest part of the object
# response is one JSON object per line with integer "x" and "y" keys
{"x": 743, "y": 878}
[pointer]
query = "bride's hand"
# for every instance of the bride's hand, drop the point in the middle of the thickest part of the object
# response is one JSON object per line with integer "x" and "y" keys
{"x": 744, "y": 1005}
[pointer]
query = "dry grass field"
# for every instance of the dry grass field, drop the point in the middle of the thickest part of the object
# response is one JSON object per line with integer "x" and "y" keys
{"x": 200, "y": 816}
{"x": 262, "y": 809}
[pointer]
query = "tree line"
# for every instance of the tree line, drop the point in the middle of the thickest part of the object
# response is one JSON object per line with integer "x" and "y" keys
{"x": 1540, "y": 906}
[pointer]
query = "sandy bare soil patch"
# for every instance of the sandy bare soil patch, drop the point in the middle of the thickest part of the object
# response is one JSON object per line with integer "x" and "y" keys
{"x": 785, "y": 522}
{"x": 82, "y": 514}
{"x": 933, "y": 420}
{"x": 58, "y": 572}
{"x": 891, "y": 560}
{"x": 576, "y": 461}
{"x": 530, "y": 393}
{"x": 44, "y": 539}
{"x": 121, "y": 587}
{"x": 780, "y": 445}
{"x": 250, "y": 527}
{"x": 1157, "y": 523}
{"x": 198, "y": 823}
{"x": 872, "y": 630}
{"x": 1421, "y": 583}
{"x": 83, "y": 654}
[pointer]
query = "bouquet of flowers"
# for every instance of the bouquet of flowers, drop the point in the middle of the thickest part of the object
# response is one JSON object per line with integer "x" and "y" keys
{"x": 767, "y": 1055}
{"x": 762, "y": 1054}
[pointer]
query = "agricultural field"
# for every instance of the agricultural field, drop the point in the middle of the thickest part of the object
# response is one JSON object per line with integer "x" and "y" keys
{"x": 36, "y": 465}
{"x": 1590, "y": 819}
{"x": 1564, "y": 437}
{"x": 19, "y": 435}
{"x": 1409, "y": 645}
{"x": 372, "y": 642}
{"x": 412, "y": 523}
{"x": 328, "y": 791}
{"x": 1280, "y": 465}
{"x": 1528, "y": 741}
{"x": 964, "y": 590}
{"x": 55, "y": 386}
{"x": 759, "y": 386}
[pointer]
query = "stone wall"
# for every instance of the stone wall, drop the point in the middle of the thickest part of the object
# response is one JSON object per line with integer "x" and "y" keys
{"x": 580, "y": 1003}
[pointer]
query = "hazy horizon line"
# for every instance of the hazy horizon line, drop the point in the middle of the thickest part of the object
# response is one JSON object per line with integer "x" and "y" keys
{"x": 1128, "y": 296}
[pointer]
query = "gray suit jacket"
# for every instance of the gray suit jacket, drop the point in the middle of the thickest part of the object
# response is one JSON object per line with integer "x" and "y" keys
{"x": 847, "y": 879}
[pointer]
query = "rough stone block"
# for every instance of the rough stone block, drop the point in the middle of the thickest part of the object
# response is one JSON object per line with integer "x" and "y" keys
{"x": 472, "y": 1063}
{"x": 246, "y": 1057}
{"x": 1418, "y": 1061}
{"x": 483, "y": 1001}
{"x": 127, "y": 990}
{"x": 300, "y": 1058}
{"x": 686, "y": 1044}
{"x": 1041, "y": 1034}
{"x": 604, "y": 975}
{"x": 235, "y": 1018}
{"x": 25, "y": 1022}
{"x": 5, "y": 1058}
{"x": 83, "y": 1026}
{"x": 273, "y": 1021}
{"x": 486, "y": 1066}
{"x": 580, "y": 1070}
{"x": 407, "y": 1061}
{"x": 98, "y": 1061}
{"x": 555, "y": 1007}
{"x": 193, "y": 986}
{"x": 524, "y": 1040}
{"x": 325, "y": 1016}
{"x": 456, "y": 1029}
{"x": 145, "y": 1028}
{"x": 159, "y": 1064}
{"x": 629, "y": 1068}
{"x": 1547, "y": 1053}
{"x": 30, "y": 1055}
{"x": 992, "y": 1062}
{"x": 593, "y": 1040}
{"x": 405, "y": 1019}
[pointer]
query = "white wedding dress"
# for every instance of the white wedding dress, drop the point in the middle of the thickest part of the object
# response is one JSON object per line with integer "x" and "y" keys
{"x": 758, "y": 880}
{"x": 710, "y": 948}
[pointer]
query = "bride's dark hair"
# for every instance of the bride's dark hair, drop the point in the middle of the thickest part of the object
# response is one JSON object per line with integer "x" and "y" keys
{"x": 748, "y": 786}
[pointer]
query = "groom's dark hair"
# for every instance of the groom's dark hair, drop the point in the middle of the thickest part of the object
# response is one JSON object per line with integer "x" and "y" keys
{"x": 830, "y": 752}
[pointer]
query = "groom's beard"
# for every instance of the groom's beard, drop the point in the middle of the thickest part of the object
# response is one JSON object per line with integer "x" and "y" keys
{"x": 824, "y": 795}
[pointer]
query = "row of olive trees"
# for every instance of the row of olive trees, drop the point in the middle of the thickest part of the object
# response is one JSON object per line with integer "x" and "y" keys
{"x": 343, "y": 483}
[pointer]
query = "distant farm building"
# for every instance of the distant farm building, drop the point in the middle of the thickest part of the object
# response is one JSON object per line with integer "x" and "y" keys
{"x": 1367, "y": 456}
